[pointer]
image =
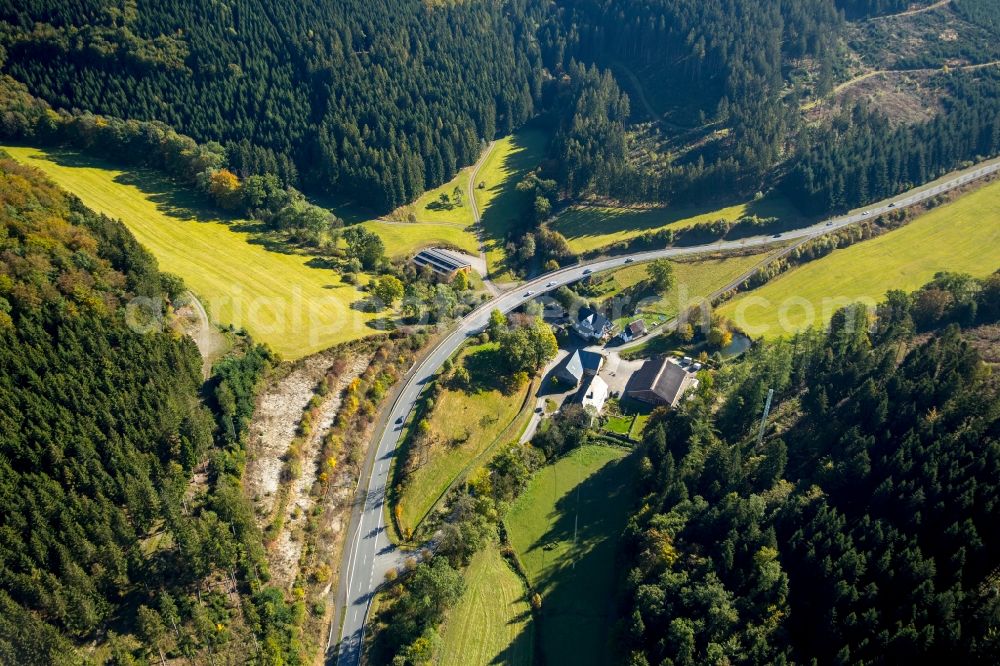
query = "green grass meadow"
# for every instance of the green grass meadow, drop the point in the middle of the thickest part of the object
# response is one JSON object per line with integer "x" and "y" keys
{"x": 589, "y": 228}
{"x": 565, "y": 529}
{"x": 620, "y": 425}
{"x": 500, "y": 204}
{"x": 962, "y": 236}
{"x": 631, "y": 421}
{"x": 295, "y": 308}
{"x": 693, "y": 282}
{"x": 405, "y": 238}
{"x": 436, "y": 224}
{"x": 491, "y": 623}
{"x": 463, "y": 425}
{"x": 429, "y": 208}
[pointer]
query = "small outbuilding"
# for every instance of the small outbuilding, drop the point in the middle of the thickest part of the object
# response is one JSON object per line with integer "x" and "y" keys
{"x": 636, "y": 329}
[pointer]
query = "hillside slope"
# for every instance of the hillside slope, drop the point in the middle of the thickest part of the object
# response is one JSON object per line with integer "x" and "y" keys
{"x": 108, "y": 534}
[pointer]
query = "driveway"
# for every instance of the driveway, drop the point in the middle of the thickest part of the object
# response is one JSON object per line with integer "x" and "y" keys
{"x": 547, "y": 391}
{"x": 616, "y": 371}
{"x": 478, "y": 262}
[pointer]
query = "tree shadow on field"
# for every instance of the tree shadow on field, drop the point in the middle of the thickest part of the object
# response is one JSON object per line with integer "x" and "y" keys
{"x": 597, "y": 221}
{"x": 267, "y": 242}
{"x": 521, "y": 650}
{"x": 504, "y": 212}
{"x": 386, "y": 319}
{"x": 576, "y": 589}
{"x": 439, "y": 205}
{"x": 487, "y": 371}
{"x": 382, "y": 324}
{"x": 369, "y": 305}
{"x": 323, "y": 262}
{"x": 172, "y": 199}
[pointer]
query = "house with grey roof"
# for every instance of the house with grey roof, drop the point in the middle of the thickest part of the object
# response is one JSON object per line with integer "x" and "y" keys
{"x": 572, "y": 369}
{"x": 592, "y": 325}
{"x": 661, "y": 382}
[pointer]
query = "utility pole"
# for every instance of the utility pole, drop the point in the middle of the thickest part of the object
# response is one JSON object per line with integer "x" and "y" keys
{"x": 576, "y": 520}
{"x": 763, "y": 418}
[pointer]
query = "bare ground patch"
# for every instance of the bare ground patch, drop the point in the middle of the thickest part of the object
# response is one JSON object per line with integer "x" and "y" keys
{"x": 287, "y": 549}
{"x": 928, "y": 39}
{"x": 986, "y": 340}
{"x": 193, "y": 321}
{"x": 905, "y": 97}
{"x": 276, "y": 420}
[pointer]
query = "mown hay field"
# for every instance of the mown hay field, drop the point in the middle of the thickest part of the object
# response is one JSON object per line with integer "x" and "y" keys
{"x": 278, "y": 297}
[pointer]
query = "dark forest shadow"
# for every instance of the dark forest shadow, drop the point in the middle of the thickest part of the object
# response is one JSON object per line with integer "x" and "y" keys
{"x": 504, "y": 213}
{"x": 522, "y": 648}
{"x": 577, "y": 612}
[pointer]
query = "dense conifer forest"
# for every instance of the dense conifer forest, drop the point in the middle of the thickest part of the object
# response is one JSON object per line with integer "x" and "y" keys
{"x": 102, "y": 423}
{"x": 725, "y": 66}
{"x": 860, "y": 529}
{"x": 378, "y": 101}
{"x": 861, "y": 157}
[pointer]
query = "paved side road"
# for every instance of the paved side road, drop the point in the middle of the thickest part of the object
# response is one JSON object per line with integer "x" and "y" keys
{"x": 370, "y": 553}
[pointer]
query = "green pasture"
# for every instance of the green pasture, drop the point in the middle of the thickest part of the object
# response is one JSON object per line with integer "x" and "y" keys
{"x": 464, "y": 423}
{"x": 491, "y": 623}
{"x": 591, "y": 227}
{"x": 500, "y": 204}
{"x": 963, "y": 236}
{"x": 693, "y": 282}
{"x": 565, "y": 529}
{"x": 403, "y": 239}
{"x": 280, "y": 297}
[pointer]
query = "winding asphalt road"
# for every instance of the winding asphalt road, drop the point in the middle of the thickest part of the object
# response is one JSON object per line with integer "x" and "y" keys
{"x": 369, "y": 553}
